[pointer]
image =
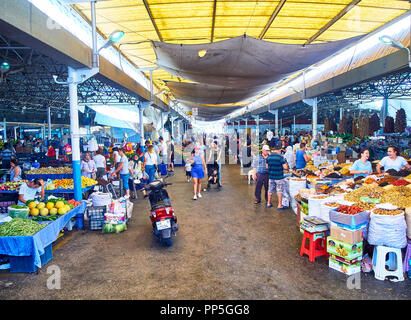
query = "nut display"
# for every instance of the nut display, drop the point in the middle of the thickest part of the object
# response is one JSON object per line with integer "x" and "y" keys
{"x": 51, "y": 170}
{"x": 365, "y": 206}
{"x": 369, "y": 190}
{"x": 332, "y": 204}
{"x": 387, "y": 212}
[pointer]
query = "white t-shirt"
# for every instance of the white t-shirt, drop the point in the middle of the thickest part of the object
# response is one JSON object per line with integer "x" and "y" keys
{"x": 164, "y": 148}
{"x": 27, "y": 192}
{"x": 99, "y": 160}
{"x": 150, "y": 158}
{"x": 388, "y": 163}
{"x": 188, "y": 166}
{"x": 118, "y": 156}
{"x": 124, "y": 169}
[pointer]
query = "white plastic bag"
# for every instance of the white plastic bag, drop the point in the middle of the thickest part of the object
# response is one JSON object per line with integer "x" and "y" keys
{"x": 386, "y": 230}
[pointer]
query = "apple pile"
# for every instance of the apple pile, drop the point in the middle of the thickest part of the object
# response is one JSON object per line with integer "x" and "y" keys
{"x": 11, "y": 186}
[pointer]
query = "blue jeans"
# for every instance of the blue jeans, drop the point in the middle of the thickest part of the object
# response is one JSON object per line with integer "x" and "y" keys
{"x": 150, "y": 169}
{"x": 124, "y": 178}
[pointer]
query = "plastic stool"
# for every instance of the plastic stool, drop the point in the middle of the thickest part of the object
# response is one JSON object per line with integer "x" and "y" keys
{"x": 316, "y": 247}
{"x": 406, "y": 264}
{"x": 379, "y": 263}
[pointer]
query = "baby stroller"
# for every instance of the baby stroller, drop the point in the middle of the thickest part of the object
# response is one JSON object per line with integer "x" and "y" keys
{"x": 213, "y": 176}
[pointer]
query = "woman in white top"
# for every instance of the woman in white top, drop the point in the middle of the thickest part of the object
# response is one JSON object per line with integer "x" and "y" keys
{"x": 100, "y": 161}
{"x": 88, "y": 166}
{"x": 393, "y": 161}
{"x": 150, "y": 163}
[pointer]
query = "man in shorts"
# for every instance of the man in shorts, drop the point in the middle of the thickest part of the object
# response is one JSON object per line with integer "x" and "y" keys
{"x": 276, "y": 165}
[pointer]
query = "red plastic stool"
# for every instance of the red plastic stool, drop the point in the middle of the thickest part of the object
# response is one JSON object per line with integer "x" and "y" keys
{"x": 317, "y": 245}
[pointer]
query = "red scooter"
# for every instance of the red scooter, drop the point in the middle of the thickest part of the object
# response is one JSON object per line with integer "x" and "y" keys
{"x": 162, "y": 214}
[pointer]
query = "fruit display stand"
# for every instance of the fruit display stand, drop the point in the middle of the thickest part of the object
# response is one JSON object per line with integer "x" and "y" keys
{"x": 27, "y": 253}
{"x": 50, "y": 176}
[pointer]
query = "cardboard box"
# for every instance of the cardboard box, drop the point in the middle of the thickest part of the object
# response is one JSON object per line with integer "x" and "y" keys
{"x": 345, "y": 268}
{"x": 345, "y": 250}
{"x": 341, "y": 157}
{"x": 345, "y": 235}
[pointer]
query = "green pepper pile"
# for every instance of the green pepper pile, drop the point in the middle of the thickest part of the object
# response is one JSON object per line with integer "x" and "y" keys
{"x": 20, "y": 227}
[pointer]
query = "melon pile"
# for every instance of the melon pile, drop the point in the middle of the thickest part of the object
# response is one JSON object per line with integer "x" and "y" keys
{"x": 49, "y": 208}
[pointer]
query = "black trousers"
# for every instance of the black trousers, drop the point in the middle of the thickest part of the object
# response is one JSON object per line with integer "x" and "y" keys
{"x": 262, "y": 180}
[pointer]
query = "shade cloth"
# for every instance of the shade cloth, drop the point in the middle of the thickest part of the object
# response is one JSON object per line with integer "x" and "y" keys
{"x": 34, "y": 245}
{"x": 238, "y": 68}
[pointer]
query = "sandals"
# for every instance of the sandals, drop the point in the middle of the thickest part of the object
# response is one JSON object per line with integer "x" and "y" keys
{"x": 256, "y": 202}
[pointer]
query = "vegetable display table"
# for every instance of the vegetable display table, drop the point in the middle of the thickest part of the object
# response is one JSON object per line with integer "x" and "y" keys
{"x": 29, "y": 252}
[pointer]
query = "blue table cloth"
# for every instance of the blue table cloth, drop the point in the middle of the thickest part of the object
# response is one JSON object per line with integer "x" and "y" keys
{"x": 50, "y": 176}
{"x": 55, "y": 190}
{"x": 34, "y": 245}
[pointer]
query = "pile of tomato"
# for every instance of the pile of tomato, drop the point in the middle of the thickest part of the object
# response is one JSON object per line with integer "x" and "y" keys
{"x": 349, "y": 209}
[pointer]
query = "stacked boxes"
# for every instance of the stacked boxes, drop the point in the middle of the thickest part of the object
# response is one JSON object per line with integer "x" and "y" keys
{"x": 95, "y": 217}
{"x": 345, "y": 247}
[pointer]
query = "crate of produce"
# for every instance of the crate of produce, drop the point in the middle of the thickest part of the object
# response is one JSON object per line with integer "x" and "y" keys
{"x": 345, "y": 268}
{"x": 16, "y": 211}
{"x": 349, "y": 216}
{"x": 25, "y": 264}
{"x": 347, "y": 251}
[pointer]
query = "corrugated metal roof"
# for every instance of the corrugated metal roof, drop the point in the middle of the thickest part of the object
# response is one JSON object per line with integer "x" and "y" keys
{"x": 205, "y": 21}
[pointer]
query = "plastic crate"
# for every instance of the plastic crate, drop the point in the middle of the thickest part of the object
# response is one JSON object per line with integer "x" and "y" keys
{"x": 26, "y": 263}
{"x": 354, "y": 221}
{"x": 96, "y": 224}
{"x": 95, "y": 213}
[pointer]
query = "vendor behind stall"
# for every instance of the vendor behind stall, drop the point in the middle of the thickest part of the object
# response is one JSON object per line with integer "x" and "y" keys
{"x": 393, "y": 161}
{"x": 362, "y": 167}
{"x": 15, "y": 171}
{"x": 28, "y": 190}
{"x": 301, "y": 157}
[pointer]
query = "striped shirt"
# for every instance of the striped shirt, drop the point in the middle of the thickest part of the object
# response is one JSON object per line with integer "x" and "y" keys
{"x": 275, "y": 166}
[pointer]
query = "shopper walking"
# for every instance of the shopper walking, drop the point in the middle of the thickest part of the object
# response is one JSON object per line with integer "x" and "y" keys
{"x": 198, "y": 171}
{"x": 100, "y": 162}
{"x": 171, "y": 156}
{"x": 276, "y": 165}
{"x": 260, "y": 174}
{"x": 150, "y": 163}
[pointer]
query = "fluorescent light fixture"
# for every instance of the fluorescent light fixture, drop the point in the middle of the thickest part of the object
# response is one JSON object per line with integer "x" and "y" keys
{"x": 391, "y": 42}
{"x": 114, "y": 37}
{"x": 5, "y": 66}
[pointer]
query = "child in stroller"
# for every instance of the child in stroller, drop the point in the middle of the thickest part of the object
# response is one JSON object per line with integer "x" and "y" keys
{"x": 213, "y": 176}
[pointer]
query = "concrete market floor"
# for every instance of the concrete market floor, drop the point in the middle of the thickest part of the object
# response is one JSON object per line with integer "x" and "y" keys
{"x": 227, "y": 248}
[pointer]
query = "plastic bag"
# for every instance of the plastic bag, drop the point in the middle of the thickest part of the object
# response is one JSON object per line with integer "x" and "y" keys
{"x": 114, "y": 227}
{"x": 366, "y": 264}
{"x": 385, "y": 230}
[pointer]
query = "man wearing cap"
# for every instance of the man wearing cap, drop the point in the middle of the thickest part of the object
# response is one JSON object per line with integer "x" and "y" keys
{"x": 260, "y": 173}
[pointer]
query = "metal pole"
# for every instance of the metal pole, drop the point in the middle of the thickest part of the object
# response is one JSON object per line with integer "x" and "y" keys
{"x": 281, "y": 126}
{"x": 258, "y": 128}
{"x": 5, "y": 130}
{"x": 94, "y": 34}
{"x": 294, "y": 125}
{"x": 140, "y": 113}
{"x": 75, "y": 136}
{"x": 276, "y": 122}
{"x": 15, "y": 133}
{"x": 49, "y": 122}
{"x": 315, "y": 112}
{"x": 151, "y": 86}
{"x": 341, "y": 113}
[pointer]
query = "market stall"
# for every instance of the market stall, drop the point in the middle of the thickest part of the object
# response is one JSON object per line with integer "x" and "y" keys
{"x": 360, "y": 217}
{"x": 33, "y": 248}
